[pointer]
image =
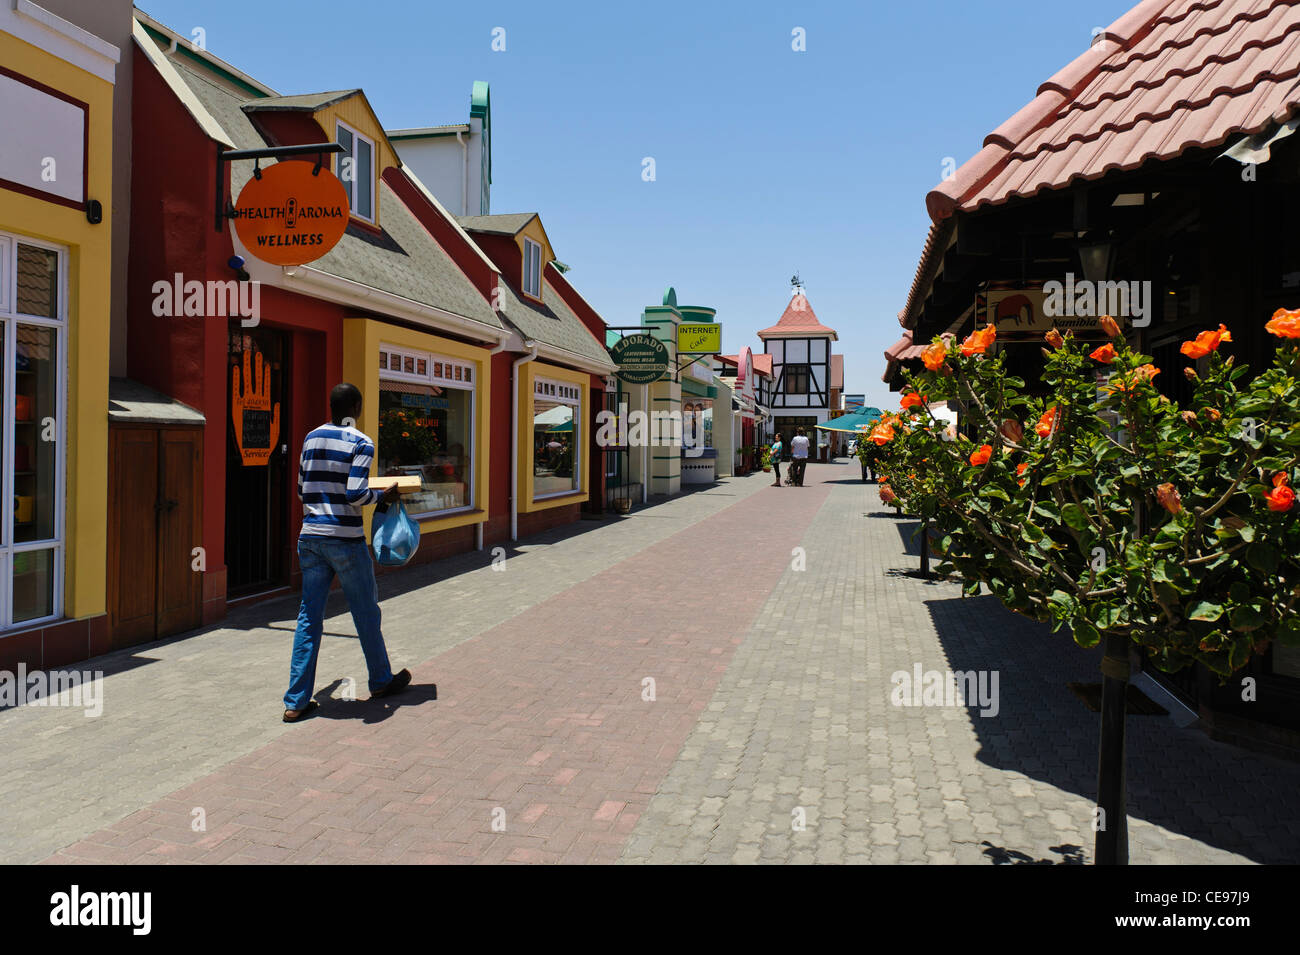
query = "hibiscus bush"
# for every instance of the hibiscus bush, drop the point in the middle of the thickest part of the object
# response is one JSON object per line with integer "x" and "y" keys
{"x": 1104, "y": 507}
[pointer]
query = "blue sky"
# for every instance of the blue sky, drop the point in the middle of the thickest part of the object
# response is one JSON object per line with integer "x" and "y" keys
{"x": 767, "y": 160}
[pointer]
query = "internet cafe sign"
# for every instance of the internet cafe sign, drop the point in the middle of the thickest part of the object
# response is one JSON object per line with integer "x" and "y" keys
{"x": 292, "y": 213}
{"x": 1027, "y": 312}
{"x": 697, "y": 339}
{"x": 641, "y": 359}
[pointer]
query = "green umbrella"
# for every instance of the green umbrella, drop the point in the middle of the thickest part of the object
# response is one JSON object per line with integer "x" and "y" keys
{"x": 852, "y": 422}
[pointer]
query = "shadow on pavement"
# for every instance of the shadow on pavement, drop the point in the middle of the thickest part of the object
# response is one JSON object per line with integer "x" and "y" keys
{"x": 1180, "y": 779}
{"x": 370, "y": 711}
{"x": 1069, "y": 855}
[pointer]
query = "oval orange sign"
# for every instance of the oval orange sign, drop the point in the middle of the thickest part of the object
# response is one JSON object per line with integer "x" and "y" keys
{"x": 291, "y": 215}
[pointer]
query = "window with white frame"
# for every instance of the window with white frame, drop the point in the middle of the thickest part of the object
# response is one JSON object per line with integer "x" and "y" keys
{"x": 356, "y": 170}
{"x": 557, "y": 424}
{"x": 532, "y": 268}
{"x": 33, "y": 386}
{"x": 426, "y": 427}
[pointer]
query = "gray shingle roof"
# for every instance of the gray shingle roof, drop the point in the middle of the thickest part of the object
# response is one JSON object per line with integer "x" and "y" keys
{"x": 552, "y": 323}
{"x": 405, "y": 260}
{"x": 131, "y": 401}
{"x": 305, "y": 101}
{"x": 505, "y": 224}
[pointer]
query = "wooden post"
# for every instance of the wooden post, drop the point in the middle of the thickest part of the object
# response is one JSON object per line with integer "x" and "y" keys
{"x": 1112, "y": 826}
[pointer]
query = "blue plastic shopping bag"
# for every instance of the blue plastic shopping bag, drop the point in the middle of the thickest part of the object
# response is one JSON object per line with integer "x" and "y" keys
{"x": 396, "y": 536}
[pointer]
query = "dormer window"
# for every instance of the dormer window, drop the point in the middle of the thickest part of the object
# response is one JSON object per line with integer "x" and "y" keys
{"x": 532, "y": 268}
{"x": 356, "y": 170}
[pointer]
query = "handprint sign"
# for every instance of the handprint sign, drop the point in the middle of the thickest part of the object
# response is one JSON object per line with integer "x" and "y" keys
{"x": 257, "y": 423}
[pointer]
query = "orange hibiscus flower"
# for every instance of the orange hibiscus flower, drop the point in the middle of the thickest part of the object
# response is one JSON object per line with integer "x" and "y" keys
{"x": 1109, "y": 326}
{"x": 887, "y": 495}
{"x": 1105, "y": 354}
{"x": 1055, "y": 339}
{"x": 1206, "y": 342}
{"x": 1020, "y": 470}
{"x": 882, "y": 433}
{"x": 934, "y": 355}
{"x": 1169, "y": 498}
{"x": 1047, "y": 422}
{"x": 981, "y": 456}
{"x": 1281, "y": 498}
{"x": 1284, "y": 324}
{"x": 978, "y": 341}
{"x": 912, "y": 400}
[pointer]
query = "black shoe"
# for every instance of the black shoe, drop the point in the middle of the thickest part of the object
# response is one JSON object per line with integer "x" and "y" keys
{"x": 397, "y": 684}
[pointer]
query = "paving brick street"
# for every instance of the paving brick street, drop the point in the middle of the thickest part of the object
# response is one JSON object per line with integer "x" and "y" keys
{"x": 707, "y": 680}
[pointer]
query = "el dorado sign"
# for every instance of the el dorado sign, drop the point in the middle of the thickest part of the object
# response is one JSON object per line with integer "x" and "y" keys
{"x": 641, "y": 359}
{"x": 293, "y": 214}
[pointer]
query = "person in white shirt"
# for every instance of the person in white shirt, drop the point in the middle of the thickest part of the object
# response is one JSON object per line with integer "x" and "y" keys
{"x": 799, "y": 456}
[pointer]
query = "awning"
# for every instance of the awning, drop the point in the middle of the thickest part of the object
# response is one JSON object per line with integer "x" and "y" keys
{"x": 852, "y": 422}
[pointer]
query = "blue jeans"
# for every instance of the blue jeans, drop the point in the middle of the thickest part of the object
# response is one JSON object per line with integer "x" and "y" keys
{"x": 320, "y": 559}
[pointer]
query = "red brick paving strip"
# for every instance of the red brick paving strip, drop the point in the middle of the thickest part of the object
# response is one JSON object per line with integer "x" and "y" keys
{"x": 541, "y": 716}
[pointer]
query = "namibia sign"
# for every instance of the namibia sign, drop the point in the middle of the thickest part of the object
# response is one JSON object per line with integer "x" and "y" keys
{"x": 641, "y": 359}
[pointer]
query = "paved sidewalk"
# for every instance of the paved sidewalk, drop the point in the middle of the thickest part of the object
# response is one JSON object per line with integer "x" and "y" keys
{"x": 801, "y": 729}
{"x": 542, "y": 745}
{"x": 770, "y": 621}
{"x": 177, "y": 710}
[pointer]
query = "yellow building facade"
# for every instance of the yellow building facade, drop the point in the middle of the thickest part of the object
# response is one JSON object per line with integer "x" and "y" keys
{"x": 56, "y": 110}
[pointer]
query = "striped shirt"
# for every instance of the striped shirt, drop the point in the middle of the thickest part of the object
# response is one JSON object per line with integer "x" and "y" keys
{"x": 333, "y": 481}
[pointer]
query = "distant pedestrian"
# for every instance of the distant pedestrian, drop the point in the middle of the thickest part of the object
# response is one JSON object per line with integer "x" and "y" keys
{"x": 333, "y": 483}
{"x": 798, "y": 456}
{"x": 777, "y": 450}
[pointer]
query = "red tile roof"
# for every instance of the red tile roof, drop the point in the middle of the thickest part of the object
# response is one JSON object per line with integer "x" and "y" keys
{"x": 1168, "y": 76}
{"x": 798, "y": 319}
{"x": 762, "y": 362}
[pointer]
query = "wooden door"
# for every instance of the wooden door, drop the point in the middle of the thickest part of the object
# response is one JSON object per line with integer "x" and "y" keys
{"x": 179, "y": 507}
{"x": 133, "y": 535}
{"x": 155, "y": 507}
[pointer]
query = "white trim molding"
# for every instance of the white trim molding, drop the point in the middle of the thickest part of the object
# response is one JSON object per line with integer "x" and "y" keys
{"x": 35, "y": 25}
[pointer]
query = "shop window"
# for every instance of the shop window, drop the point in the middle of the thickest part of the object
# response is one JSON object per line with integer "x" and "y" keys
{"x": 557, "y": 460}
{"x": 426, "y": 428}
{"x": 356, "y": 166}
{"x": 796, "y": 379}
{"x": 32, "y": 319}
{"x": 532, "y": 268}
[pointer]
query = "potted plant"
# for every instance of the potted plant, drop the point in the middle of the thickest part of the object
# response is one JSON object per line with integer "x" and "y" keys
{"x": 766, "y": 457}
{"x": 403, "y": 440}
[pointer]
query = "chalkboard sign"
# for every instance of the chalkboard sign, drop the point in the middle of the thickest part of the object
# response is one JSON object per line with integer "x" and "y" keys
{"x": 257, "y": 429}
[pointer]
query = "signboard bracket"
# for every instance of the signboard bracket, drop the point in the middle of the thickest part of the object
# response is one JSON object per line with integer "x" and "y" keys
{"x": 269, "y": 152}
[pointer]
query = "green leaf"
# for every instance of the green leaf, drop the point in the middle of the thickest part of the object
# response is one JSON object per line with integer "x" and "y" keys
{"x": 1085, "y": 634}
{"x": 1204, "y": 610}
{"x": 1263, "y": 556}
{"x": 1074, "y": 516}
{"x": 1246, "y": 618}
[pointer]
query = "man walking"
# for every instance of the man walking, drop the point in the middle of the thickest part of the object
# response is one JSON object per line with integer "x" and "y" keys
{"x": 333, "y": 483}
{"x": 798, "y": 456}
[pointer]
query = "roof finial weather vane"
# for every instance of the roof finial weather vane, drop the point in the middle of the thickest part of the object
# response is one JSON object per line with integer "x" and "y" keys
{"x": 796, "y": 283}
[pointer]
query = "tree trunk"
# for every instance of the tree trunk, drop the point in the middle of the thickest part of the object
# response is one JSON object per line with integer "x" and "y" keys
{"x": 925, "y": 549}
{"x": 1112, "y": 824}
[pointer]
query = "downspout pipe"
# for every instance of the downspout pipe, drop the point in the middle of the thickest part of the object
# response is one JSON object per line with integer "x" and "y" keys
{"x": 514, "y": 436}
{"x": 478, "y": 528}
{"x": 464, "y": 188}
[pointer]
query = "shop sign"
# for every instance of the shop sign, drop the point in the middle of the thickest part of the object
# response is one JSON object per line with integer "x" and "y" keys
{"x": 697, "y": 339}
{"x": 427, "y": 402}
{"x": 1024, "y": 313}
{"x": 255, "y": 418}
{"x": 641, "y": 359}
{"x": 293, "y": 214}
